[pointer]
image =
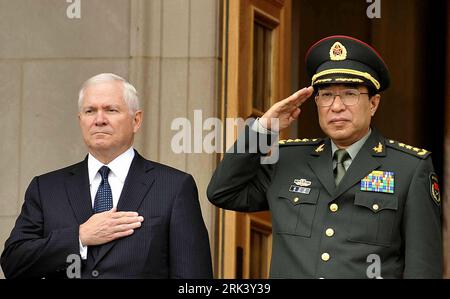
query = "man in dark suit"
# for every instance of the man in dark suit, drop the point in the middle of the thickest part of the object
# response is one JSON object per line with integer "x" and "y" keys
{"x": 352, "y": 205}
{"x": 122, "y": 215}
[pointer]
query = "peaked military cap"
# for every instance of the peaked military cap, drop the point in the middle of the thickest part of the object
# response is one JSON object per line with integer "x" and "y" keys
{"x": 344, "y": 59}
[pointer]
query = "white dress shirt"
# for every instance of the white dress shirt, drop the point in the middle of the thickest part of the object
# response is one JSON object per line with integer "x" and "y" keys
{"x": 119, "y": 170}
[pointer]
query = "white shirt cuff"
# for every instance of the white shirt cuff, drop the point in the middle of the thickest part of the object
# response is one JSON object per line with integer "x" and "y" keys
{"x": 257, "y": 127}
{"x": 83, "y": 250}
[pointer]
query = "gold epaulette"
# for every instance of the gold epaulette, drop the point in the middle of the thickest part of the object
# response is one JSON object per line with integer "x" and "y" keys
{"x": 415, "y": 151}
{"x": 304, "y": 141}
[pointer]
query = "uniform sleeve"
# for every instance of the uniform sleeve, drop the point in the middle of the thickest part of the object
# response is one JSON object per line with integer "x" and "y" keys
{"x": 422, "y": 226}
{"x": 190, "y": 255}
{"x": 241, "y": 180}
{"x": 30, "y": 254}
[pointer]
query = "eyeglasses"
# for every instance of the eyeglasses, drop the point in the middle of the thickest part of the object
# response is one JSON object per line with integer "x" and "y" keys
{"x": 349, "y": 97}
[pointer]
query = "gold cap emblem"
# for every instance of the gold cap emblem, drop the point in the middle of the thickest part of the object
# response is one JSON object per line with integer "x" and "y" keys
{"x": 338, "y": 52}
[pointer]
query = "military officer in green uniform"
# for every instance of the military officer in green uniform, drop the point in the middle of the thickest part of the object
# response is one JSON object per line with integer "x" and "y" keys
{"x": 352, "y": 205}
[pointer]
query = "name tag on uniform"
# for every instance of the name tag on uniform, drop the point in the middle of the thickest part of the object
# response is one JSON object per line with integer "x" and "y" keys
{"x": 378, "y": 181}
{"x": 298, "y": 189}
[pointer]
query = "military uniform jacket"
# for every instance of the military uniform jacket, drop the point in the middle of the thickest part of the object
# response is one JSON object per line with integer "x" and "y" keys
{"x": 324, "y": 231}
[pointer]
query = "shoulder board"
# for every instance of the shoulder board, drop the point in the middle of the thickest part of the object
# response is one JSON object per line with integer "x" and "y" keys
{"x": 304, "y": 141}
{"x": 415, "y": 151}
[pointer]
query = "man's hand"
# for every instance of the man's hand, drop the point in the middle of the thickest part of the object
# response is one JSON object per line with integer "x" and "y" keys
{"x": 287, "y": 110}
{"x": 105, "y": 227}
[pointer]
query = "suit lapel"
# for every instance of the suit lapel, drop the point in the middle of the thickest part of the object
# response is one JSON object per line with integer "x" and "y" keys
{"x": 139, "y": 180}
{"x": 322, "y": 165}
{"x": 364, "y": 162}
{"x": 77, "y": 186}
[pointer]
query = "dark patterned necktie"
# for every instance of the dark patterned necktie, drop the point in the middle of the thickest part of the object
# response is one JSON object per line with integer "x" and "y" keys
{"x": 341, "y": 156}
{"x": 103, "y": 199}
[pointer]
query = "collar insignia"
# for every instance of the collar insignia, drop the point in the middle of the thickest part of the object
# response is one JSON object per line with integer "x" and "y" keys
{"x": 378, "y": 149}
{"x": 320, "y": 148}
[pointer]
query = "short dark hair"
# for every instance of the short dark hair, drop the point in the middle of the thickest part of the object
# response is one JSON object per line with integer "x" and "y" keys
{"x": 372, "y": 91}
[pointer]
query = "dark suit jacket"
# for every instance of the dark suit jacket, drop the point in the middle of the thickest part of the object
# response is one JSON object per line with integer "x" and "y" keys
{"x": 332, "y": 232}
{"x": 172, "y": 242}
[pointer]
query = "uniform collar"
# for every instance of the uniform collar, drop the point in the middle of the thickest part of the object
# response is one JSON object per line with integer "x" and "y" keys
{"x": 353, "y": 149}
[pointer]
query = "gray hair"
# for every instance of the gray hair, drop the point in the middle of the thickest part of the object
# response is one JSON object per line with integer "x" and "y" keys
{"x": 130, "y": 94}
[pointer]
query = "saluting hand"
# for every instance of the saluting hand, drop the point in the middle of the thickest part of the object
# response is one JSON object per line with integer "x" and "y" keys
{"x": 287, "y": 110}
{"x": 105, "y": 227}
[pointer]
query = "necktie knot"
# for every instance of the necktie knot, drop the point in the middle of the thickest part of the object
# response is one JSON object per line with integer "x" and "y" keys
{"x": 104, "y": 172}
{"x": 341, "y": 156}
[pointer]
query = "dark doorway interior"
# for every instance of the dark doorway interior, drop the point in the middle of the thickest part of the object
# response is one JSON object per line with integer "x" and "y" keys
{"x": 411, "y": 37}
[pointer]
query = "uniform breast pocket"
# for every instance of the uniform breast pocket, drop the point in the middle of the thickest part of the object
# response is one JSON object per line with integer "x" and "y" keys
{"x": 373, "y": 218}
{"x": 294, "y": 213}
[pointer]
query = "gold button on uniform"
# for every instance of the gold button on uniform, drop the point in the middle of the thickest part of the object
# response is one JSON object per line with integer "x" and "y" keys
{"x": 329, "y": 232}
{"x": 296, "y": 199}
{"x": 334, "y": 207}
{"x": 375, "y": 207}
{"x": 325, "y": 257}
